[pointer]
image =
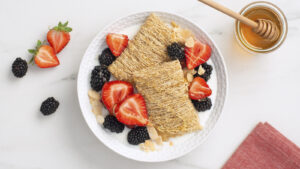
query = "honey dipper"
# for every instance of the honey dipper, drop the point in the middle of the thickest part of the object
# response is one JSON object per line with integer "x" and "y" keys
{"x": 263, "y": 27}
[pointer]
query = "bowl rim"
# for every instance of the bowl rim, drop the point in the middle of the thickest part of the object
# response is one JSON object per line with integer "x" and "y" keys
{"x": 222, "y": 64}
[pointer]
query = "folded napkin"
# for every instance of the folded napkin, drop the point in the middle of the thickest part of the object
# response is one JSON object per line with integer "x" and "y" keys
{"x": 265, "y": 148}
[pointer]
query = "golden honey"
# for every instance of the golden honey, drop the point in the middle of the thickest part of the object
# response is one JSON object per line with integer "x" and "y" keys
{"x": 253, "y": 42}
{"x": 251, "y": 37}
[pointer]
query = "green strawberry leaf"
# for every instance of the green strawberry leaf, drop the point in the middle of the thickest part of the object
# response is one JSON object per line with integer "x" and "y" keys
{"x": 68, "y": 29}
{"x": 65, "y": 24}
{"x": 63, "y": 27}
{"x": 32, "y": 51}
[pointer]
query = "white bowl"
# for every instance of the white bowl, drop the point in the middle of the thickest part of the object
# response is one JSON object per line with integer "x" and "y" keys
{"x": 117, "y": 142}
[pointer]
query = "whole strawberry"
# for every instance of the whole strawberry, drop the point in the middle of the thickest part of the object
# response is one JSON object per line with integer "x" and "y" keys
{"x": 58, "y": 37}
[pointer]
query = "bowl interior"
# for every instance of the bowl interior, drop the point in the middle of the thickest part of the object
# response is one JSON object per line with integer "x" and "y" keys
{"x": 117, "y": 142}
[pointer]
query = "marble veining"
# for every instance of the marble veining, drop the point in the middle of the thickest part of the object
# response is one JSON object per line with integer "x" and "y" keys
{"x": 261, "y": 87}
{"x": 71, "y": 77}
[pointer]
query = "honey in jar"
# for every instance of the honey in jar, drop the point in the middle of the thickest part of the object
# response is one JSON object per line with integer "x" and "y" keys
{"x": 251, "y": 37}
{"x": 254, "y": 42}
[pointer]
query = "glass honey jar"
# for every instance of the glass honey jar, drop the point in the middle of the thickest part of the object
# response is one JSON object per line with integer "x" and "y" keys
{"x": 250, "y": 40}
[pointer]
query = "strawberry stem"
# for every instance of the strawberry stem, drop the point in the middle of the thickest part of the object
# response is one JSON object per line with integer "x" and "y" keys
{"x": 35, "y": 50}
{"x": 62, "y": 27}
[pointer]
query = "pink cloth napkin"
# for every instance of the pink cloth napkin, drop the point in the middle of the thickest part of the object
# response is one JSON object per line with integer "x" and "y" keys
{"x": 265, "y": 148}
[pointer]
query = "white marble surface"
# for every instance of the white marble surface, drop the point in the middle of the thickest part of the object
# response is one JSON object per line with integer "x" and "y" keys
{"x": 262, "y": 87}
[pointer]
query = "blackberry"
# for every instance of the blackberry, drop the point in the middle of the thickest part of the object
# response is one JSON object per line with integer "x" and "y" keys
{"x": 97, "y": 83}
{"x": 202, "y": 105}
{"x": 176, "y": 51}
{"x": 99, "y": 76}
{"x": 19, "y": 67}
{"x": 208, "y": 70}
{"x": 101, "y": 71}
{"x": 49, "y": 106}
{"x": 106, "y": 57}
{"x": 112, "y": 124}
{"x": 137, "y": 135}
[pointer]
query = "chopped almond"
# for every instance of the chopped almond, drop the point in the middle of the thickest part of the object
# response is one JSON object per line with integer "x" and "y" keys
{"x": 143, "y": 147}
{"x": 150, "y": 145}
{"x": 174, "y": 24}
{"x": 153, "y": 135}
{"x": 158, "y": 140}
{"x": 93, "y": 94}
{"x": 186, "y": 34}
{"x": 201, "y": 71}
{"x": 147, "y": 146}
{"x": 100, "y": 119}
{"x": 189, "y": 77}
{"x": 94, "y": 98}
{"x": 189, "y": 42}
{"x": 185, "y": 71}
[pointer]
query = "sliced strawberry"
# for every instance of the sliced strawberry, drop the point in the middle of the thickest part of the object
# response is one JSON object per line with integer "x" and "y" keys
{"x": 116, "y": 43}
{"x": 114, "y": 92}
{"x": 197, "y": 55}
{"x": 44, "y": 56}
{"x": 199, "y": 89}
{"x": 132, "y": 111}
{"x": 58, "y": 37}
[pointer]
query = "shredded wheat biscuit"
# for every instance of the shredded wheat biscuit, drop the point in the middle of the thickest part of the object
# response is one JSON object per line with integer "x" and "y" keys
{"x": 147, "y": 48}
{"x": 166, "y": 93}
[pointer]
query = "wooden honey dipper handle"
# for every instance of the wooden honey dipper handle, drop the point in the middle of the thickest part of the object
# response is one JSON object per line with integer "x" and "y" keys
{"x": 264, "y": 28}
{"x": 230, "y": 13}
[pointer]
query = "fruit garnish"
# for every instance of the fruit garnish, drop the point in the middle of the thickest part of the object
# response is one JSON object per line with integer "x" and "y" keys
{"x": 132, "y": 111}
{"x": 112, "y": 124}
{"x": 205, "y": 71}
{"x": 202, "y": 105}
{"x": 99, "y": 76}
{"x": 116, "y": 43}
{"x": 138, "y": 135}
{"x": 58, "y": 37}
{"x": 49, "y": 106}
{"x": 19, "y": 67}
{"x": 44, "y": 56}
{"x": 176, "y": 51}
{"x": 197, "y": 55}
{"x": 106, "y": 57}
{"x": 114, "y": 92}
{"x": 199, "y": 89}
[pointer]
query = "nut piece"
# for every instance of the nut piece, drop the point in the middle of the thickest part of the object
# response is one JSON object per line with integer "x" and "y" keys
{"x": 93, "y": 94}
{"x": 94, "y": 98}
{"x": 158, "y": 140}
{"x": 174, "y": 24}
{"x": 96, "y": 106}
{"x": 185, "y": 71}
{"x": 171, "y": 143}
{"x": 153, "y": 135}
{"x": 147, "y": 146}
{"x": 185, "y": 33}
{"x": 189, "y": 42}
{"x": 201, "y": 71}
{"x": 100, "y": 119}
{"x": 143, "y": 147}
{"x": 189, "y": 77}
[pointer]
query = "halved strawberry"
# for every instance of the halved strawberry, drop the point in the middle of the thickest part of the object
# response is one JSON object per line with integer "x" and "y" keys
{"x": 197, "y": 55}
{"x": 116, "y": 43}
{"x": 58, "y": 37}
{"x": 199, "y": 89}
{"x": 114, "y": 92}
{"x": 44, "y": 56}
{"x": 132, "y": 111}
